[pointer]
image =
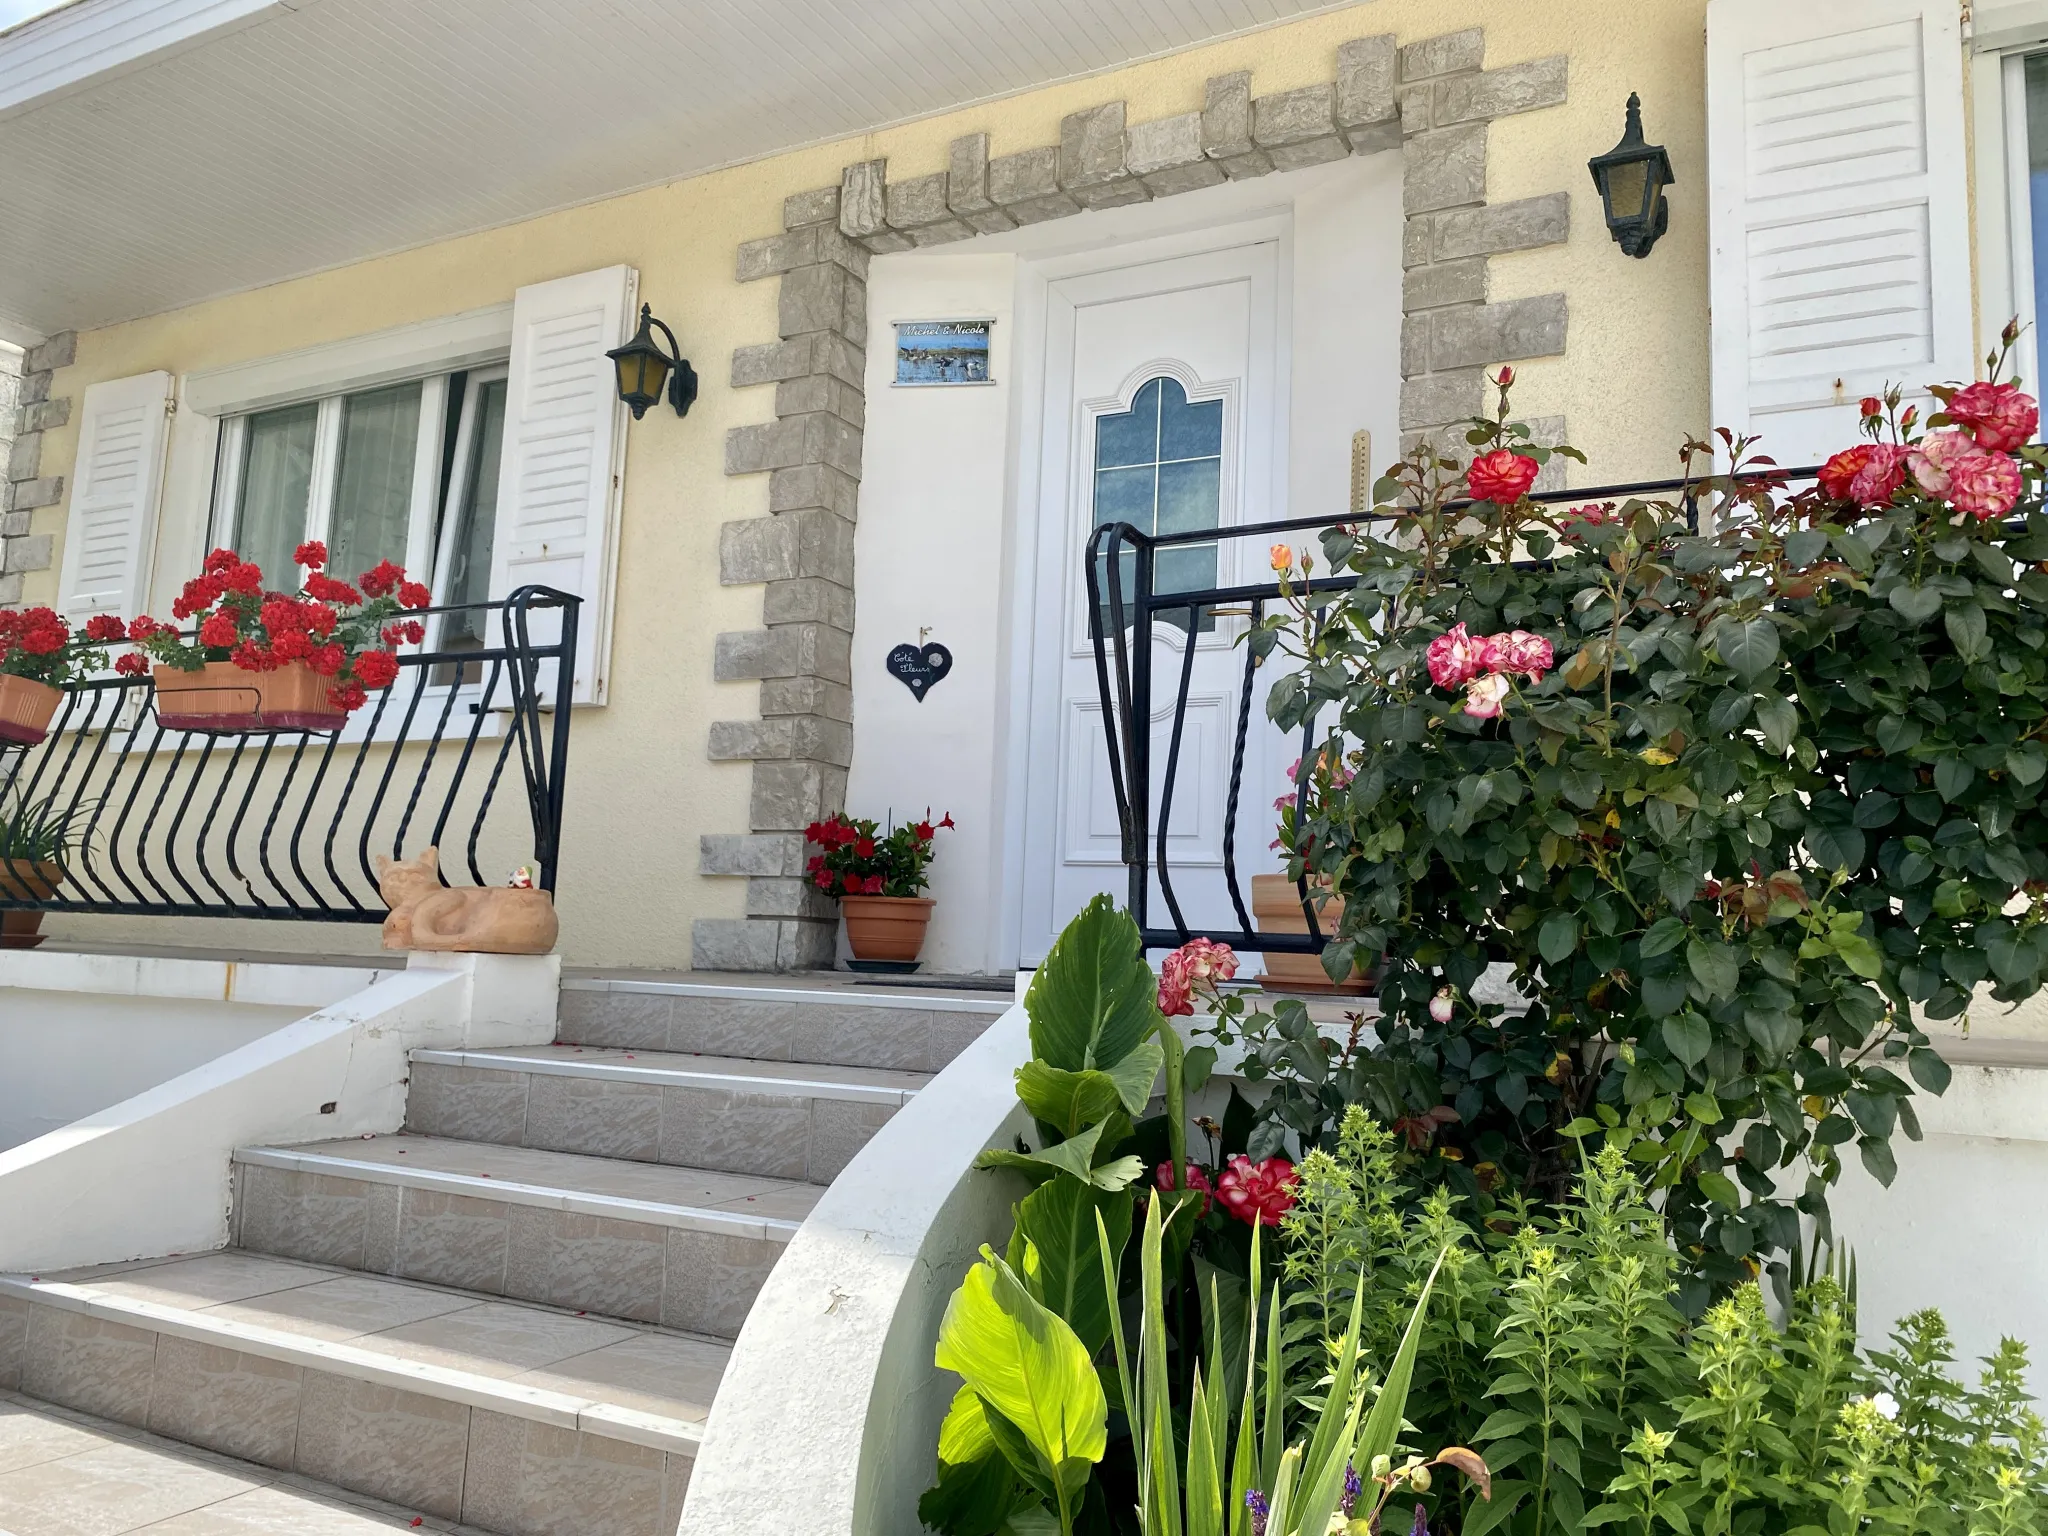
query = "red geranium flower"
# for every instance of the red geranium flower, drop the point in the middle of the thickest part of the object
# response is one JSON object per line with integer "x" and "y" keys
{"x": 326, "y": 659}
{"x": 412, "y": 595}
{"x": 1257, "y": 1193}
{"x": 219, "y": 630}
{"x": 383, "y": 579}
{"x": 142, "y": 626}
{"x": 347, "y": 696}
{"x": 328, "y": 590}
{"x": 220, "y": 561}
{"x": 1502, "y": 477}
{"x": 312, "y": 554}
{"x": 376, "y": 669}
{"x": 104, "y": 627}
{"x": 251, "y": 657}
{"x": 133, "y": 664}
{"x": 292, "y": 645}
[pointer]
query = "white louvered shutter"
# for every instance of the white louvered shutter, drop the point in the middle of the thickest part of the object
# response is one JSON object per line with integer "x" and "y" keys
{"x": 1840, "y": 224}
{"x": 116, "y": 479}
{"x": 564, "y": 455}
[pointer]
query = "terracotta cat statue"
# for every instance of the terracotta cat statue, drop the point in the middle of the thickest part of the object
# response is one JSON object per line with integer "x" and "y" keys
{"x": 425, "y": 914}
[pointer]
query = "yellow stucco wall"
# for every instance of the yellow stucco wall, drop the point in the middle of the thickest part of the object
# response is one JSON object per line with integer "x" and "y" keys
{"x": 1631, "y": 386}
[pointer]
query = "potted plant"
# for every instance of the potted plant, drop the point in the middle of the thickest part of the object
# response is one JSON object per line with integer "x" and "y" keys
{"x": 276, "y": 661}
{"x": 35, "y": 838}
{"x": 879, "y": 879}
{"x": 40, "y": 656}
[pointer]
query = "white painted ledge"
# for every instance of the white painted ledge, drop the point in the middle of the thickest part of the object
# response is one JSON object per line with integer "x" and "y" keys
{"x": 150, "y": 1175}
{"x": 827, "y": 1418}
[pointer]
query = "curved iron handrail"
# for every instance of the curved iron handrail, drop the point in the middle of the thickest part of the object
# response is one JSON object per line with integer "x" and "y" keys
{"x": 253, "y": 824}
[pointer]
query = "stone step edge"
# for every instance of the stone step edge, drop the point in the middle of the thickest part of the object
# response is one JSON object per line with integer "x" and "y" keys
{"x": 994, "y": 1006}
{"x": 631, "y": 1072}
{"x": 689, "y": 1218}
{"x": 561, "y": 1409}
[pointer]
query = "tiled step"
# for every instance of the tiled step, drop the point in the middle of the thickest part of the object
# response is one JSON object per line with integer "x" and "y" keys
{"x": 515, "y": 1418}
{"x": 853, "y": 1026}
{"x": 681, "y": 1247}
{"x": 778, "y": 1119}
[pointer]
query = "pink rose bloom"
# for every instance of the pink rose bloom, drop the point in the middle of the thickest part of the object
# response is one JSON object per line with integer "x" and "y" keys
{"x": 1489, "y": 653}
{"x": 1204, "y": 961}
{"x": 1985, "y": 485}
{"x": 1929, "y": 461}
{"x": 1528, "y": 654}
{"x": 1998, "y": 416}
{"x": 1453, "y": 657}
{"x": 1483, "y": 696}
{"x": 1174, "y": 999}
{"x": 1198, "y": 1178}
{"x": 1442, "y": 1006}
{"x": 1258, "y": 1194}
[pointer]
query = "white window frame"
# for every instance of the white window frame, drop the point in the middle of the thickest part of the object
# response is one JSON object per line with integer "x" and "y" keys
{"x": 477, "y": 344}
{"x": 2004, "y": 36}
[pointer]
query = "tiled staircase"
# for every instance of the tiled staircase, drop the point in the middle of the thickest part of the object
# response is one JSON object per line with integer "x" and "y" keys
{"x": 516, "y": 1312}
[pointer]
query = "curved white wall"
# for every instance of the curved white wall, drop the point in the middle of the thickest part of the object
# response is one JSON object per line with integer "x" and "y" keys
{"x": 827, "y": 1419}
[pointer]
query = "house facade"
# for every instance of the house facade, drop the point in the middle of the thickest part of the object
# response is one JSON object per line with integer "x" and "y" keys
{"x": 349, "y": 270}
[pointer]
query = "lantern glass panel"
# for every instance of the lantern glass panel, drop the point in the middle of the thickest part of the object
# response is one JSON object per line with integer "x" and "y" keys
{"x": 1630, "y": 188}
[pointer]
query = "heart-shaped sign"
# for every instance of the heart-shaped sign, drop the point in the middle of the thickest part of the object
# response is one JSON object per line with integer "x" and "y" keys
{"x": 920, "y": 666}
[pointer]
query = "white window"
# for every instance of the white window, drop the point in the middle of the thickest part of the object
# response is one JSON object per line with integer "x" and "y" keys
{"x": 405, "y": 472}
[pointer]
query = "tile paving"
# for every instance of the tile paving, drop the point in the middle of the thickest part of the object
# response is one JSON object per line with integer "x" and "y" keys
{"x": 64, "y": 1473}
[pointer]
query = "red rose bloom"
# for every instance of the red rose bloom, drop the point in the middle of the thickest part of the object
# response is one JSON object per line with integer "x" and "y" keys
{"x": 219, "y": 630}
{"x": 1257, "y": 1193}
{"x": 104, "y": 627}
{"x": 1502, "y": 477}
{"x": 312, "y": 554}
{"x": 1866, "y": 474}
{"x": 376, "y": 669}
{"x": 1198, "y": 1178}
{"x": 1998, "y": 416}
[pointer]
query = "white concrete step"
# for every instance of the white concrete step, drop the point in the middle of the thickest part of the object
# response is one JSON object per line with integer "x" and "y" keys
{"x": 686, "y": 1248}
{"x": 778, "y": 1119}
{"x": 513, "y": 1417}
{"x": 828, "y": 1019}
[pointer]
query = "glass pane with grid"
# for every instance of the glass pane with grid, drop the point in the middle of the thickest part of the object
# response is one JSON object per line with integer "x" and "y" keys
{"x": 1159, "y": 467}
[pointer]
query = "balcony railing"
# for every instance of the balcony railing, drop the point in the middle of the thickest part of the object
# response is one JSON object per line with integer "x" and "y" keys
{"x": 466, "y": 751}
{"x": 1125, "y": 607}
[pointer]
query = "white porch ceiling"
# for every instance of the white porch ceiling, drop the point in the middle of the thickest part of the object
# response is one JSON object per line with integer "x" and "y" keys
{"x": 158, "y": 152}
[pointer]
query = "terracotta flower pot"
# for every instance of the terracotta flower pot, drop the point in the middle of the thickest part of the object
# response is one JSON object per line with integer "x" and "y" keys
{"x": 26, "y": 880}
{"x": 221, "y": 696}
{"x": 886, "y": 927}
{"x": 25, "y": 708}
{"x": 1276, "y": 908}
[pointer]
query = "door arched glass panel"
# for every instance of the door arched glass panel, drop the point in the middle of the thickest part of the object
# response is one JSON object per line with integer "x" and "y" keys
{"x": 1159, "y": 467}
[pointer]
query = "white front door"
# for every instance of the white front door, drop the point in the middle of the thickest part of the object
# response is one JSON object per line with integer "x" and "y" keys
{"x": 1163, "y": 399}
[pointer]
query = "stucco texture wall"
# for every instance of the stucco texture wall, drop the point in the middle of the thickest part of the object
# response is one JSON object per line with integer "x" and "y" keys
{"x": 1632, "y": 384}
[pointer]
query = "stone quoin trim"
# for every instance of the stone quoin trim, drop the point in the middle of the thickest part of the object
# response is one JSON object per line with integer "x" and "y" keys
{"x": 1433, "y": 99}
{"x": 27, "y": 487}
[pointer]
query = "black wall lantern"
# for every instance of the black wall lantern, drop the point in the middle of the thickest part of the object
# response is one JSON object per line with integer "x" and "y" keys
{"x": 643, "y": 366}
{"x": 1632, "y": 177}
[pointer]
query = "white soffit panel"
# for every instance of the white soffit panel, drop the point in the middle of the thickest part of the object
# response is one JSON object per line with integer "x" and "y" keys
{"x": 157, "y": 152}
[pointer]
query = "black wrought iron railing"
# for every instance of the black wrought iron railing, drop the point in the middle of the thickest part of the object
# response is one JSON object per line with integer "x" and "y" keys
{"x": 466, "y": 751}
{"x": 1125, "y": 609}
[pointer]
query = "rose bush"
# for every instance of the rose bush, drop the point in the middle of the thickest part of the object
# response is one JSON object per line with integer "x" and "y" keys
{"x": 1765, "y": 799}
